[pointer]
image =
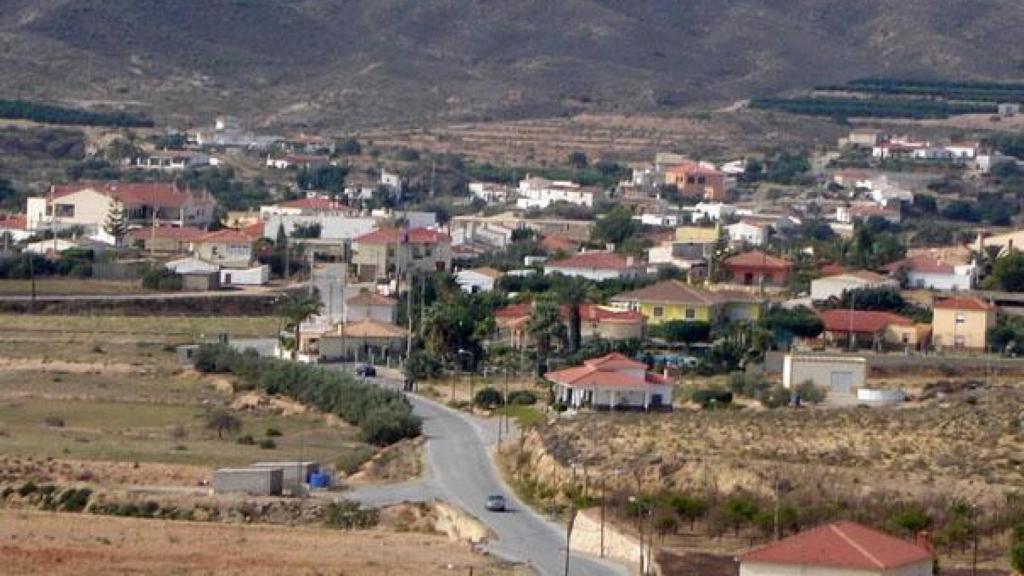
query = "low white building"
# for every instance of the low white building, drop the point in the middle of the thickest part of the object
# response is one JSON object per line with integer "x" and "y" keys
{"x": 829, "y": 287}
{"x": 746, "y": 233}
{"x": 255, "y": 276}
{"x": 477, "y": 279}
{"x": 596, "y": 266}
{"x": 660, "y": 220}
{"x": 838, "y": 374}
{"x": 540, "y": 193}
{"x": 928, "y": 273}
{"x": 612, "y": 382}
{"x": 712, "y": 211}
{"x": 490, "y": 192}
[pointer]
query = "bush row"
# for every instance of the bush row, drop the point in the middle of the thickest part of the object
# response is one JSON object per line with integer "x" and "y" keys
{"x": 384, "y": 416}
{"x": 872, "y": 107}
{"x": 48, "y": 113}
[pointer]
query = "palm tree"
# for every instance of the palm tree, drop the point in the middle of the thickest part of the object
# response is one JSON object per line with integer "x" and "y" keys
{"x": 544, "y": 326}
{"x": 574, "y": 294}
{"x": 437, "y": 330}
{"x": 296, "y": 309}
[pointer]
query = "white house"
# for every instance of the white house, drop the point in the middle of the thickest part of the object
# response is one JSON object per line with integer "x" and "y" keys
{"x": 612, "y": 382}
{"x": 712, "y": 211}
{"x": 840, "y": 549}
{"x": 963, "y": 150}
{"x": 391, "y": 181}
{"x": 927, "y": 272}
{"x": 53, "y": 245}
{"x": 747, "y": 233}
{"x": 829, "y": 287}
{"x": 839, "y": 374}
{"x": 660, "y": 220}
{"x": 477, "y": 279}
{"x": 596, "y": 266}
{"x": 170, "y": 160}
{"x": 490, "y": 192}
{"x": 540, "y": 193}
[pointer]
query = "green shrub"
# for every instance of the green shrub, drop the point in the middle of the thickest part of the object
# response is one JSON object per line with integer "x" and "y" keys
{"x": 267, "y": 444}
{"x": 709, "y": 397}
{"x": 774, "y": 397}
{"x": 273, "y": 432}
{"x": 246, "y": 439}
{"x": 347, "y": 515}
{"x": 808, "y": 392}
{"x": 27, "y": 488}
{"x": 488, "y": 398}
{"x": 522, "y": 398}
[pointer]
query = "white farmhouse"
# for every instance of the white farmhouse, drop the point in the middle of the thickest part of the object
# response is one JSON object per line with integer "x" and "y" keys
{"x": 612, "y": 382}
{"x": 927, "y": 272}
{"x": 540, "y": 193}
{"x": 596, "y": 266}
{"x": 747, "y": 233}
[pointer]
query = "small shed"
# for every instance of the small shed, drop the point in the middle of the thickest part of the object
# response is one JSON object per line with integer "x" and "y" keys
{"x": 253, "y": 481}
{"x": 256, "y": 276}
{"x": 838, "y": 374}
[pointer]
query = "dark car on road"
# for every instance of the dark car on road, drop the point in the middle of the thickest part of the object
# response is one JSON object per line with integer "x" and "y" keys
{"x": 495, "y": 503}
{"x": 366, "y": 371}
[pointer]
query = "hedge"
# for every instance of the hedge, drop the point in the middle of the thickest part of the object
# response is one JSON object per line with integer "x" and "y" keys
{"x": 384, "y": 416}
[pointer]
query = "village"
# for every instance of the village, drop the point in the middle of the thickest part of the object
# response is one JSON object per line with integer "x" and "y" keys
{"x": 685, "y": 310}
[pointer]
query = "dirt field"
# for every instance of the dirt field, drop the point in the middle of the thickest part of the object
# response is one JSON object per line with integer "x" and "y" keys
{"x": 82, "y": 545}
{"x": 62, "y": 286}
{"x": 104, "y": 396}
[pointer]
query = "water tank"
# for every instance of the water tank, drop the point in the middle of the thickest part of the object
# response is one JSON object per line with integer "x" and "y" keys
{"x": 320, "y": 480}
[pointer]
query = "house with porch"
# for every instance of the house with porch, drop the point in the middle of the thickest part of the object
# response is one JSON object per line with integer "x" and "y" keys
{"x": 88, "y": 205}
{"x": 872, "y": 329}
{"x": 612, "y": 382}
{"x": 676, "y": 300}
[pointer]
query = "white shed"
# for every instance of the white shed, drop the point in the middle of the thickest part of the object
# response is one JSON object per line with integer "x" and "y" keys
{"x": 838, "y": 374}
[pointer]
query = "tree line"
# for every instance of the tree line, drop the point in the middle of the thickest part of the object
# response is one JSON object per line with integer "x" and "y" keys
{"x": 871, "y": 107}
{"x": 383, "y": 416}
{"x": 52, "y": 114}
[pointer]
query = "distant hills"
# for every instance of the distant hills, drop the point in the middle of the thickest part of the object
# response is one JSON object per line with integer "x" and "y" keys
{"x": 362, "y": 63}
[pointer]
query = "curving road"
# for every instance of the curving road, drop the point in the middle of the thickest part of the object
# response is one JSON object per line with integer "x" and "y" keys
{"x": 462, "y": 472}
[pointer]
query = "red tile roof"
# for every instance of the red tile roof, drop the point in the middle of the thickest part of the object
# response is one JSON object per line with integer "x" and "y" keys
{"x": 227, "y": 236}
{"x": 861, "y": 320}
{"x": 612, "y": 371}
{"x": 13, "y": 221}
{"x": 841, "y": 545}
{"x": 923, "y": 264}
{"x": 396, "y": 235}
{"x": 691, "y": 167}
{"x": 832, "y": 269}
{"x": 181, "y": 234}
{"x": 593, "y": 260}
{"x": 965, "y": 303}
{"x": 588, "y": 313}
{"x": 759, "y": 260}
{"x": 669, "y": 291}
{"x": 148, "y": 193}
{"x": 254, "y": 231}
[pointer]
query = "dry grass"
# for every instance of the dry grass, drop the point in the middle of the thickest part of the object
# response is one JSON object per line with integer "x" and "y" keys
{"x": 82, "y": 545}
{"x": 65, "y": 286}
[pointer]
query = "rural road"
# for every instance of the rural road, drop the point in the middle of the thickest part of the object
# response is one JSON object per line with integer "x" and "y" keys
{"x": 461, "y": 471}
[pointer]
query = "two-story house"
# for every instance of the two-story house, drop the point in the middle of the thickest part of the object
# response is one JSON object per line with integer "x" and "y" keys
{"x": 675, "y": 300}
{"x": 697, "y": 180}
{"x": 388, "y": 251}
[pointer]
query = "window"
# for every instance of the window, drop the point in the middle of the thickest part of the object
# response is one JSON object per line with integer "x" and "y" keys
{"x": 701, "y": 180}
{"x": 691, "y": 180}
{"x": 961, "y": 318}
{"x": 659, "y": 312}
{"x": 691, "y": 313}
{"x": 65, "y": 210}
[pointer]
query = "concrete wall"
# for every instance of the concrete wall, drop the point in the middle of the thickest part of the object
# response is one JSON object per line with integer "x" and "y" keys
{"x": 254, "y": 481}
{"x": 293, "y": 474}
{"x": 586, "y": 538}
{"x": 825, "y": 371}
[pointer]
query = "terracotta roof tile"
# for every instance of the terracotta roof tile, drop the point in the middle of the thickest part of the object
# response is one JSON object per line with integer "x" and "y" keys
{"x": 758, "y": 259}
{"x": 593, "y": 260}
{"x": 227, "y": 235}
{"x": 670, "y": 291}
{"x": 181, "y": 234}
{"x": 613, "y": 371}
{"x": 396, "y": 235}
{"x": 371, "y": 329}
{"x": 148, "y": 193}
{"x": 861, "y": 320}
{"x": 841, "y": 545}
{"x": 965, "y": 303}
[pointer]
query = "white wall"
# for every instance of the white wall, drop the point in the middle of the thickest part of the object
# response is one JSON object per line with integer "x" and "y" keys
{"x": 938, "y": 281}
{"x": 761, "y": 569}
{"x": 257, "y": 276}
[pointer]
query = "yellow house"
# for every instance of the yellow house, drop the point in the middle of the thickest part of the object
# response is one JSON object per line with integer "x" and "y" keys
{"x": 962, "y": 323}
{"x": 676, "y": 300}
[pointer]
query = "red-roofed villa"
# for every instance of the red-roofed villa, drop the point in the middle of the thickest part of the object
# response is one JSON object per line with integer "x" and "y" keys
{"x": 612, "y": 382}
{"x": 839, "y": 549}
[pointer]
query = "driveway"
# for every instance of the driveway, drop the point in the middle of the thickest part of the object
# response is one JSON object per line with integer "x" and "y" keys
{"x": 462, "y": 472}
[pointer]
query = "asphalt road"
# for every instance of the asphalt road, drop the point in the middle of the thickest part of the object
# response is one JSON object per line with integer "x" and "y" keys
{"x": 461, "y": 471}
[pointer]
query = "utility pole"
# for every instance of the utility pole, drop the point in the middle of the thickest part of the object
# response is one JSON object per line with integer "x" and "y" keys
{"x": 602, "y": 516}
{"x": 568, "y": 535}
{"x": 853, "y": 308}
{"x": 408, "y": 307}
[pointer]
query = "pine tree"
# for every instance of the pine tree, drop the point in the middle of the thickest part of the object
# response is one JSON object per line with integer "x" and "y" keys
{"x": 117, "y": 223}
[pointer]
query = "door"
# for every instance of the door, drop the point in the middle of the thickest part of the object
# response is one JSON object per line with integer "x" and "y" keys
{"x": 656, "y": 401}
{"x": 841, "y": 382}
{"x": 227, "y": 278}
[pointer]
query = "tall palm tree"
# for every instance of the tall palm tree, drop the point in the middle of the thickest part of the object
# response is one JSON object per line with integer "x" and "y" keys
{"x": 544, "y": 326}
{"x": 438, "y": 330}
{"x": 574, "y": 294}
{"x": 296, "y": 309}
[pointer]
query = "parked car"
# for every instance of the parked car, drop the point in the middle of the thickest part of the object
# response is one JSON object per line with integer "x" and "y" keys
{"x": 495, "y": 503}
{"x": 366, "y": 371}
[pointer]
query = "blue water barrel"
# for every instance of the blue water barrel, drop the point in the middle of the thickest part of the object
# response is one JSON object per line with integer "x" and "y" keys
{"x": 320, "y": 480}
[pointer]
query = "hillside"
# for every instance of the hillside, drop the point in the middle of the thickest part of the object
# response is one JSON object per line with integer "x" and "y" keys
{"x": 363, "y": 63}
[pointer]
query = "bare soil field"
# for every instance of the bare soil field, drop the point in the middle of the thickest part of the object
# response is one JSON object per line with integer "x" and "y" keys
{"x": 64, "y": 286}
{"x": 81, "y": 545}
{"x": 632, "y": 137}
